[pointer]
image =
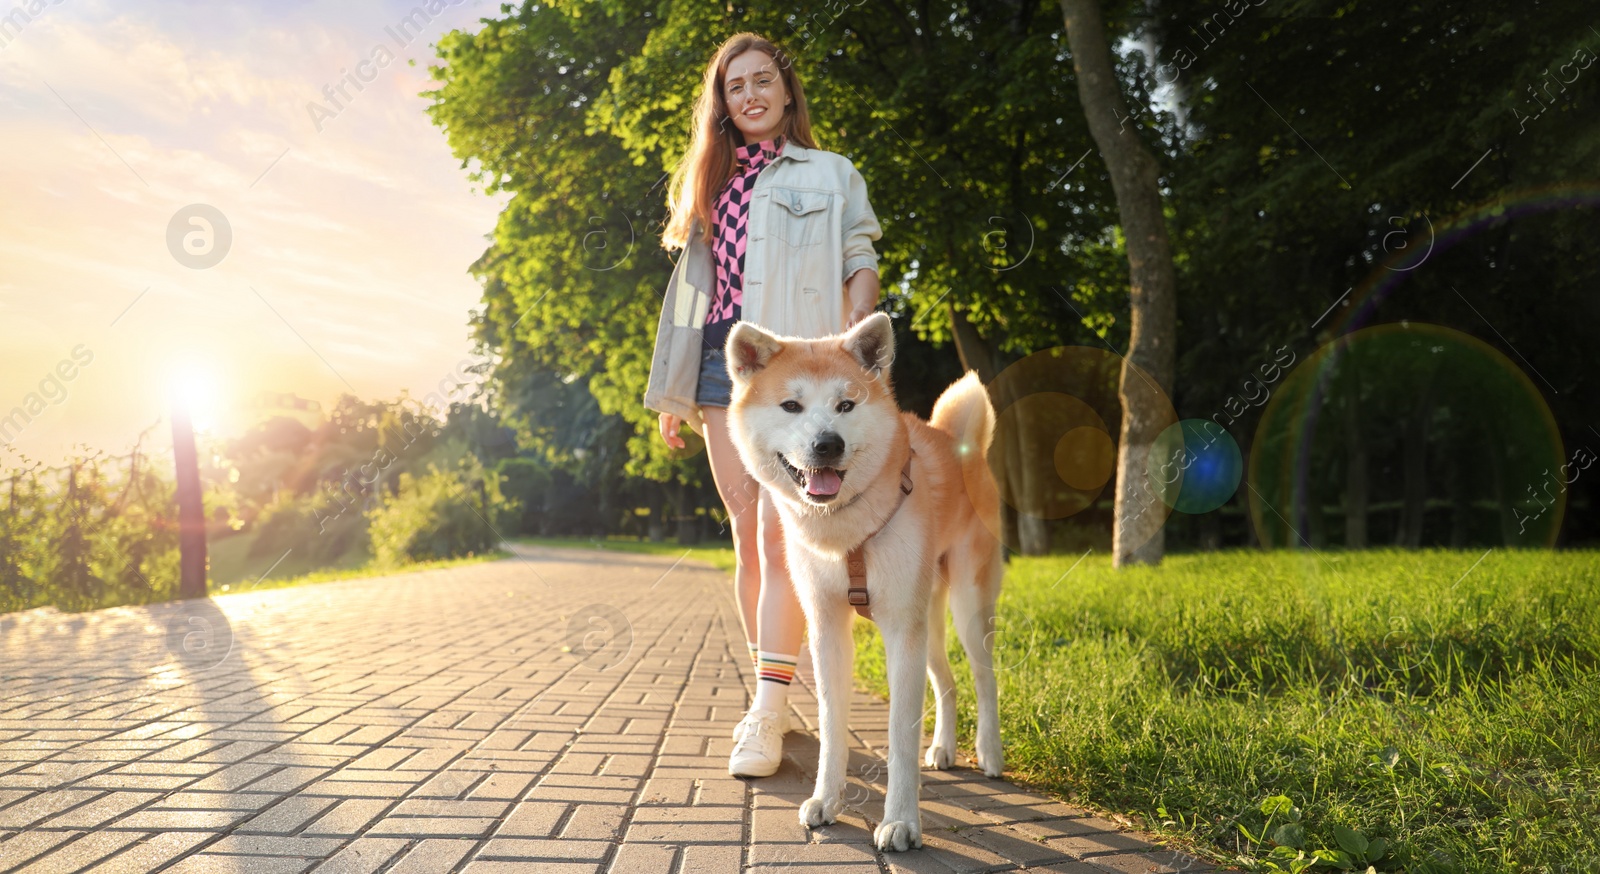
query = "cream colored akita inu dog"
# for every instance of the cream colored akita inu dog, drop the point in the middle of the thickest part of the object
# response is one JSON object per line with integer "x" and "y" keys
{"x": 817, "y": 424}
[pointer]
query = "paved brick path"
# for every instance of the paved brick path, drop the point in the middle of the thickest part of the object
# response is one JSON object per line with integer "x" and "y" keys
{"x": 567, "y": 708}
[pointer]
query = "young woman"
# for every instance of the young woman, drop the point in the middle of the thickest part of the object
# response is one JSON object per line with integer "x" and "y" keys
{"x": 777, "y": 232}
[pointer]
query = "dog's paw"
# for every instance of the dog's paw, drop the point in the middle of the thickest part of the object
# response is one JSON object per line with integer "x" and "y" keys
{"x": 940, "y": 756}
{"x": 991, "y": 761}
{"x": 816, "y": 812}
{"x": 897, "y": 837}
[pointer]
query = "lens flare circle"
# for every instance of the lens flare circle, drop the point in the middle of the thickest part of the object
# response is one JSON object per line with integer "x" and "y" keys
{"x": 1055, "y": 446}
{"x": 1195, "y": 466}
{"x": 1086, "y": 457}
{"x": 1457, "y": 444}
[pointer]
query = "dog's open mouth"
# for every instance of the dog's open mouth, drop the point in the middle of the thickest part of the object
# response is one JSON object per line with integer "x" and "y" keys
{"x": 821, "y": 484}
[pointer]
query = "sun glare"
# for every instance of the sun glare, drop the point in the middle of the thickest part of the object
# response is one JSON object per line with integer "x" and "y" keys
{"x": 194, "y": 389}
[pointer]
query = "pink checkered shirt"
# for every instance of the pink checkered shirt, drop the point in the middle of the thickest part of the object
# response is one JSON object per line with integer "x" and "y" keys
{"x": 730, "y": 220}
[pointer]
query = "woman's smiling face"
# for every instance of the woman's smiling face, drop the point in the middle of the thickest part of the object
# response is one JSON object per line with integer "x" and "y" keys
{"x": 756, "y": 97}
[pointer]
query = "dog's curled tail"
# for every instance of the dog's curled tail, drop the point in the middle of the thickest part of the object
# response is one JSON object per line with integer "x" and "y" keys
{"x": 964, "y": 412}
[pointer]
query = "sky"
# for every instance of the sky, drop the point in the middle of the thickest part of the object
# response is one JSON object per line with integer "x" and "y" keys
{"x": 136, "y": 138}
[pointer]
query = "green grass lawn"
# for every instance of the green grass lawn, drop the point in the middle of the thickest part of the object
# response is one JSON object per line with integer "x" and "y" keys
{"x": 233, "y": 569}
{"x": 718, "y": 556}
{"x": 1450, "y": 710}
{"x": 232, "y": 565}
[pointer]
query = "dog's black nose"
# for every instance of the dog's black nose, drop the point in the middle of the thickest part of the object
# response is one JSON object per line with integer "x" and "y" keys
{"x": 827, "y": 446}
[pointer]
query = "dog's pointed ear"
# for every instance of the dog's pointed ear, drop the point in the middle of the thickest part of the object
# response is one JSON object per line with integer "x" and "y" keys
{"x": 750, "y": 349}
{"x": 871, "y": 343}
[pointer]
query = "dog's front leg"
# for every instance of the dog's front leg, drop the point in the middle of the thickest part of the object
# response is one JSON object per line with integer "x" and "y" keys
{"x": 905, "y": 642}
{"x": 832, "y": 652}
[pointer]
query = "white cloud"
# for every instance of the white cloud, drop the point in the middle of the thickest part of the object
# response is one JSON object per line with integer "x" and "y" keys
{"x": 360, "y": 236}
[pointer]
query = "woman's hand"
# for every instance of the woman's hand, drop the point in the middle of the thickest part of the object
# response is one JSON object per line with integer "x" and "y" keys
{"x": 862, "y": 293}
{"x": 669, "y": 430}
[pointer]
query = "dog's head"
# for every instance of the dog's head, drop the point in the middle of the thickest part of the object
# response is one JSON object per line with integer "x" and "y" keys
{"x": 814, "y": 420}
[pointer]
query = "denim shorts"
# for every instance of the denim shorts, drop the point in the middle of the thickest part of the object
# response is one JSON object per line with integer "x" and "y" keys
{"x": 715, "y": 389}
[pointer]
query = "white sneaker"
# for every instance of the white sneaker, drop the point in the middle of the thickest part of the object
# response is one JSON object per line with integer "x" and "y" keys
{"x": 759, "y": 750}
{"x": 783, "y": 725}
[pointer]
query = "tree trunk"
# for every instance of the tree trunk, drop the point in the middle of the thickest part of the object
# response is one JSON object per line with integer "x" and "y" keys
{"x": 974, "y": 353}
{"x": 1414, "y": 510}
{"x": 1137, "y": 535}
{"x": 1503, "y": 499}
{"x": 656, "y": 526}
{"x": 191, "y": 511}
{"x": 1033, "y": 534}
{"x": 1355, "y": 468}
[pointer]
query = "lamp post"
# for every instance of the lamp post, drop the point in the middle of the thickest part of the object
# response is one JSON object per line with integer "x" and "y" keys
{"x": 191, "y": 510}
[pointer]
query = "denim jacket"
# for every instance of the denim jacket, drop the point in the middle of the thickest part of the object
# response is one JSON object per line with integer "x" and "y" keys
{"x": 810, "y": 228}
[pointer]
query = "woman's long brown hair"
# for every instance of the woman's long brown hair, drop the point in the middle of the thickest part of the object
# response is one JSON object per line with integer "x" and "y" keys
{"x": 702, "y": 173}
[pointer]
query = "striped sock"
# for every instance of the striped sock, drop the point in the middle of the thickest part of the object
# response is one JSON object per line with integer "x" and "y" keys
{"x": 755, "y": 656}
{"x": 775, "y": 666}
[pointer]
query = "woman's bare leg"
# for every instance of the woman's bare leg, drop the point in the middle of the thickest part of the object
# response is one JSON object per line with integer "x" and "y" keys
{"x": 781, "y": 624}
{"x": 741, "y": 496}
{"x": 767, "y": 603}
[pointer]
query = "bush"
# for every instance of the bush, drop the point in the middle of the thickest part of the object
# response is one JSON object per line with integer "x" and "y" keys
{"x": 95, "y": 533}
{"x": 440, "y": 515}
{"x": 319, "y": 527}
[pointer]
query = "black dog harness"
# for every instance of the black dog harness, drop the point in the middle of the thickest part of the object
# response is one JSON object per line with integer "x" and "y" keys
{"x": 856, "y": 559}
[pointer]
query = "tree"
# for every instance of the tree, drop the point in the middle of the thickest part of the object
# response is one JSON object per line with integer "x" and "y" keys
{"x": 1152, "y": 339}
{"x": 572, "y": 280}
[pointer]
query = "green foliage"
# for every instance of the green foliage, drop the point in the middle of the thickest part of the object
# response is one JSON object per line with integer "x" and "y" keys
{"x": 304, "y": 494}
{"x": 1450, "y": 720}
{"x": 1321, "y": 140}
{"x": 269, "y": 458}
{"x": 1285, "y": 846}
{"x": 572, "y": 282}
{"x": 96, "y": 532}
{"x": 359, "y": 449}
{"x": 22, "y": 545}
{"x": 235, "y": 565}
{"x": 442, "y": 514}
{"x": 321, "y": 527}
{"x": 285, "y": 500}
{"x": 519, "y": 490}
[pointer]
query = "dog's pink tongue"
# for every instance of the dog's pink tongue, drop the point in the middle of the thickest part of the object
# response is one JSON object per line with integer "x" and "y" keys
{"x": 823, "y": 482}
